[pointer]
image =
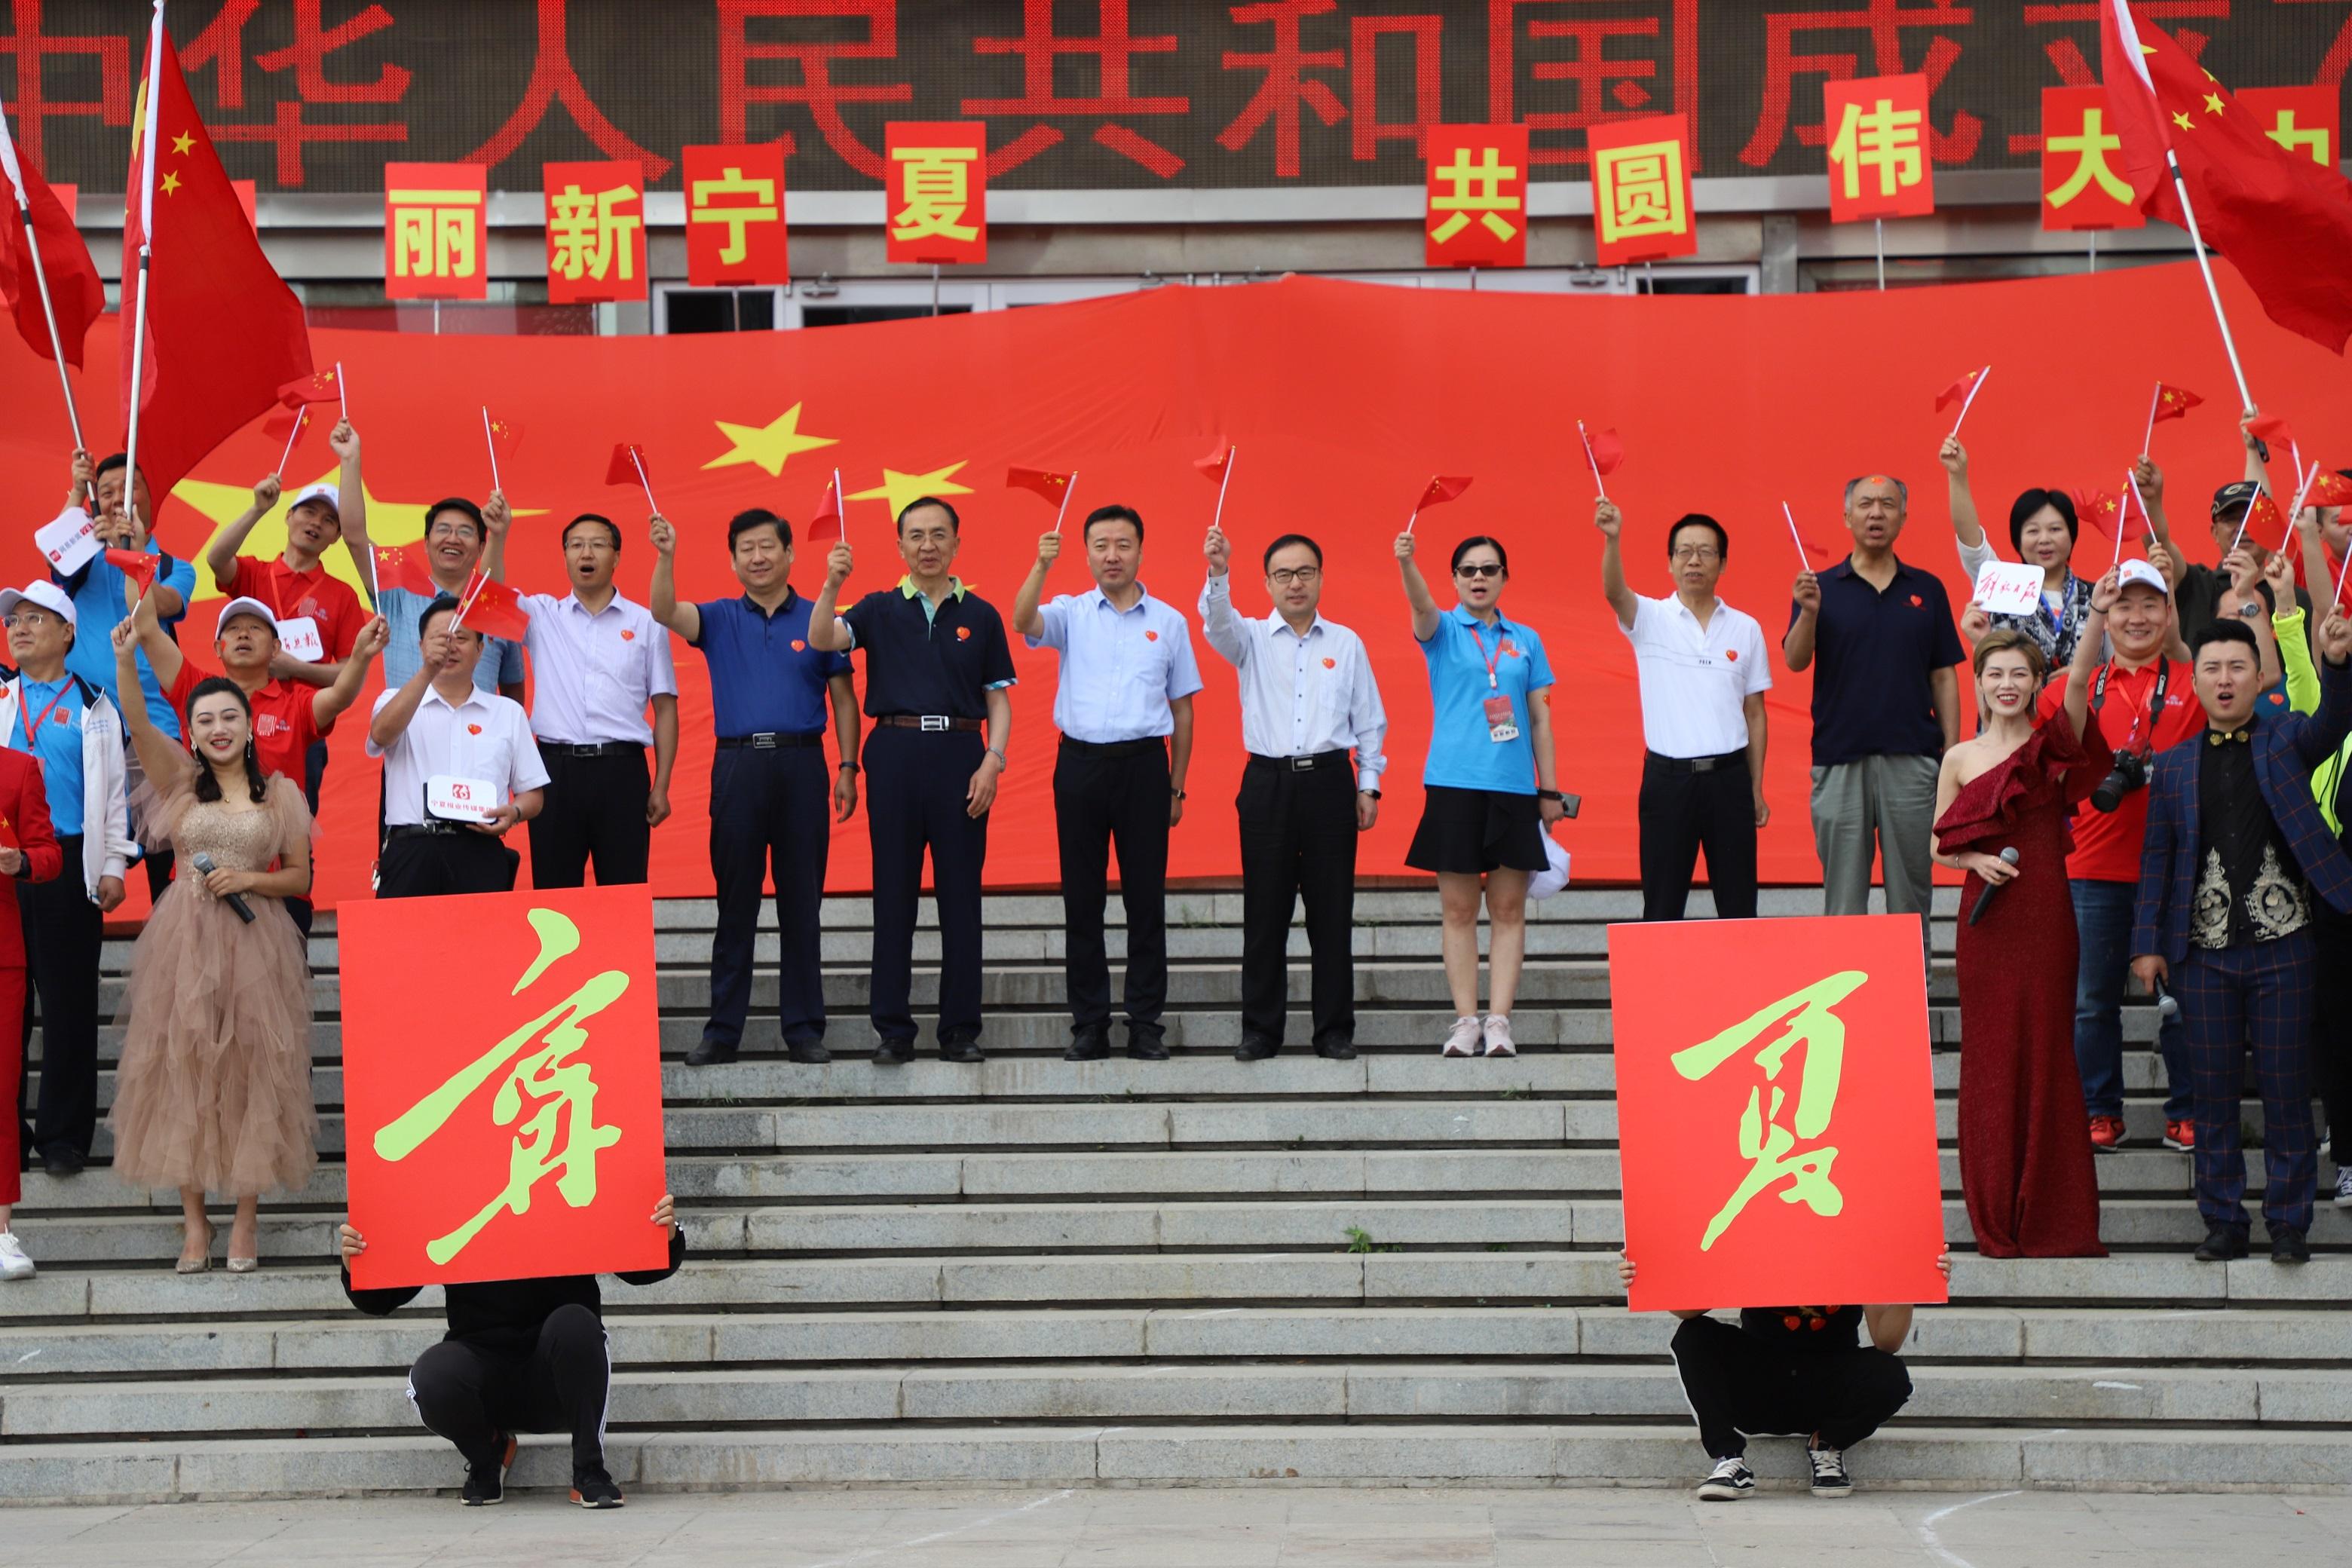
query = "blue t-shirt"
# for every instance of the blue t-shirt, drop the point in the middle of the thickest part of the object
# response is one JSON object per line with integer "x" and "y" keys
{"x": 56, "y": 707}
{"x": 1463, "y": 754}
{"x": 97, "y": 591}
{"x": 765, "y": 679}
{"x": 404, "y": 612}
{"x": 1876, "y": 656}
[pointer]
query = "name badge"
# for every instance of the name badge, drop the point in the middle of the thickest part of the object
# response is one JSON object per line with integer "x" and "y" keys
{"x": 1501, "y": 724}
{"x": 455, "y": 799}
{"x": 299, "y": 638}
{"x": 69, "y": 542}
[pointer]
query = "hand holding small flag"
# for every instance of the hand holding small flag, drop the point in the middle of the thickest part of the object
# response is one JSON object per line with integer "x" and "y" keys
{"x": 1964, "y": 393}
{"x": 1604, "y": 453}
{"x": 826, "y": 523}
{"x": 1045, "y": 482}
{"x": 629, "y": 464}
{"x": 138, "y": 565}
{"x": 1442, "y": 488}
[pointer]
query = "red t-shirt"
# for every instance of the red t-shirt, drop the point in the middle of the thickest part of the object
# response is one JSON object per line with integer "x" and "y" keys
{"x": 325, "y": 598}
{"x": 285, "y": 719}
{"x": 2108, "y": 844}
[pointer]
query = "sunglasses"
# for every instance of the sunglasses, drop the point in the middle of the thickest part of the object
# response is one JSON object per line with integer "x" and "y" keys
{"x": 1480, "y": 569}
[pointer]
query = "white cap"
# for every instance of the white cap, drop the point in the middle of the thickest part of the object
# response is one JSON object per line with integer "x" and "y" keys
{"x": 2146, "y": 575}
{"x": 328, "y": 493}
{"x": 248, "y": 607}
{"x": 47, "y": 596}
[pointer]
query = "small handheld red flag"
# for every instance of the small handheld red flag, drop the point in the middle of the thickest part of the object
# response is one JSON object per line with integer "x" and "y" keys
{"x": 2173, "y": 402}
{"x": 1442, "y": 488}
{"x": 287, "y": 425}
{"x": 1044, "y": 482}
{"x": 403, "y": 566}
{"x": 2101, "y": 509}
{"x": 630, "y": 465}
{"x": 318, "y": 386}
{"x": 2262, "y": 519}
{"x": 826, "y": 523}
{"x": 1604, "y": 453}
{"x": 136, "y": 564}
{"x": 1959, "y": 390}
{"x": 493, "y": 609}
{"x": 1212, "y": 467}
{"x": 504, "y": 436}
{"x": 2330, "y": 488}
{"x": 2272, "y": 431}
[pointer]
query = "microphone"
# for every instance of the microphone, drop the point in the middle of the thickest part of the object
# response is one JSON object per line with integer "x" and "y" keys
{"x": 2168, "y": 1007}
{"x": 245, "y": 910}
{"x": 1977, "y": 913}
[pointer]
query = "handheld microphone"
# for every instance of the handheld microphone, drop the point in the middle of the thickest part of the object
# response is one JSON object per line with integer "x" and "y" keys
{"x": 1977, "y": 913}
{"x": 235, "y": 901}
{"x": 2167, "y": 1007}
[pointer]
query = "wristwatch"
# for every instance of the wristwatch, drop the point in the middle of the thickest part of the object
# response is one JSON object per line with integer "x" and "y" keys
{"x": 2251, "y": 610}
{"x": 1373, "y": 792}
{"x": 1174, "y": 792}
{"x": 849, "y": 764}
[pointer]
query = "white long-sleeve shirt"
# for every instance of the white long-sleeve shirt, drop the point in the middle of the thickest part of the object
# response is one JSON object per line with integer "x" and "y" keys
{"x": 1301, "y": 696}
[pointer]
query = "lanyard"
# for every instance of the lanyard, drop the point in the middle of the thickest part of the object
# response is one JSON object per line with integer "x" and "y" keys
{"x": 1489, "y": 657}
{"x": 33, "y": 730}
{"x": 2156, "y": 699}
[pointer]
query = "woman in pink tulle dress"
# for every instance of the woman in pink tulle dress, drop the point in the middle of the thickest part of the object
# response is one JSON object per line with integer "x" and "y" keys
{"x": 214, "y": 1093}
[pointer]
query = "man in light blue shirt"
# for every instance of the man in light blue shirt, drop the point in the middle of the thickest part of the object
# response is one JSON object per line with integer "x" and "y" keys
{"x": 459, "y": 536}
{"x": 1124, "y": 710}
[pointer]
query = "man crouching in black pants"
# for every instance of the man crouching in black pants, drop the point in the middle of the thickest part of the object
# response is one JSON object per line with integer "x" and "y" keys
{"x": 521, "y": 1355}
{"x": 1796, "y": 1370}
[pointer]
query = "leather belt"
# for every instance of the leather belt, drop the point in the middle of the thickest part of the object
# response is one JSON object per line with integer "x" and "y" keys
{"x": 1304, "y": 764}
{"x": 1116, "y": 748}
{"x": 1696, "y": 764}
{"x": 768, "y": 740}
{"x": 934, "y": 722}
{"x": 547, "y": 748}
{"x": 432, "y": 829}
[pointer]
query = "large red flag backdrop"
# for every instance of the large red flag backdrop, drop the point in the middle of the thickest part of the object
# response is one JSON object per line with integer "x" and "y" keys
{"x": 1348, "y": 396}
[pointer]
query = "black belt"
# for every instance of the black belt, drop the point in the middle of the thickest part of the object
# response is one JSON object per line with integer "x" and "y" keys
{"x": 768, "y": 740}
{"x": 1696, "y": 764}
{"x": 934, "y": 723}
{"x": 1116, "y": 748}
{"x": 1304, "y": 764}
{"x": 547, "y": 748}
{"x": 433, "y": 829}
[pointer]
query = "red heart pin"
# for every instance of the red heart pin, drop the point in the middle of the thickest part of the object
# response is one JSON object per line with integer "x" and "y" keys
{"x": 472, "y": 729}
{"x": 963, "y": 634}
{"x": 1732, "y": 654}
{"x": 1916, "y": 602}
{"x": 1150, "y": 637}
{"x": 627, "y": 636}
{"x": 1330, "y": 664}
{"x": 799, "y": 647}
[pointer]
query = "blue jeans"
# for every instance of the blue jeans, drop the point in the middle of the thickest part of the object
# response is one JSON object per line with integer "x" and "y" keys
{"x": 2103, "y": 923}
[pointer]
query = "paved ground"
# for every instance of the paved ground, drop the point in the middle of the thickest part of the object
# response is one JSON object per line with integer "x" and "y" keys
{"x": 1275, "y": 1527}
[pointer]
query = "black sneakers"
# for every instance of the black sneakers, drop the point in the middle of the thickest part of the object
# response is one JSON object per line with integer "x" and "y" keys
{"x": 594, "y": 1489}
{"x": 2224, "y": 1241}
{"x": 1830, "y": 1480}
{"x": 486, "y": 1479}
{"x": 1729, "y": 1481}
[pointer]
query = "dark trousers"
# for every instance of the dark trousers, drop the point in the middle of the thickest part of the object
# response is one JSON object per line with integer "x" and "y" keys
{"x": 2331, "y": 1027}
{"x": 2257, "y": 999}
{"x": 1740, "y": 1386}
{"x": 159, "y": 873}
{"x": 63, "y": 934}
{"x": 12, "y": 1077}
{"x": 914, "y": 785}
{"x": 470, "y": 1395}
{"x": 1105, "y": 796}
{"x": 1681, "y": 811}
{"x": 435, "y": 865}
{"x": 2103, "y": 921}
{"x": 1298, "y": 842}
{"x": 594, "y": 809}
{"x": 771, "y": 811}
{"x": 314, "y": 774}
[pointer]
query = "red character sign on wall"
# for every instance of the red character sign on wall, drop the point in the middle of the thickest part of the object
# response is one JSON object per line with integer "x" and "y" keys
{"x": 2304, "y": 119}
{"x": 434, "y": 241}
{"x": 1878, "y": 161}
{"x": 2083, "y": 182}
{"x": 1641, "y": 190}
{"x": 936, "y": 192}
{"x": 1477, "y": 212}
{"x": 595, "y": 232}
{"x": 735, "y": 216}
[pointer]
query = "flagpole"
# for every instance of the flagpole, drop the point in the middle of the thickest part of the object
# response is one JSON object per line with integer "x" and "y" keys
{"x": 342, "y": 397}
{"x": 638, "y": 463}
{"x": 487, "y": 437}
{"x": 2340, "y": 585}
{"x": 1064, "y": 508}
{"x": 2153, "y": 399}
{"x": 840, "y": 507}
{"x": 2301, "y": 490}
{"x": 2213, "y": 290}
{"x": 146, "y": 142}
{"x": 1974, "y": 387}
{"x": 1800, "y": 538}
{"x": 40, "y": 276}
{"x": 1881, "y": 227}
{"x": 2122, "y": 523}
{"x": 301, "y": 417}
{"x": 2131, "y": 477}
{"x": 1589, "y": 460}
{"x": 1224, "y": 478}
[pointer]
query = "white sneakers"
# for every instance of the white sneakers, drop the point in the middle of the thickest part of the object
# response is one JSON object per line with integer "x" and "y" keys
{"x": 2343, "y": 1188}
{"x": 14, "y": 1264}
{"x": 1468, "y": 1037}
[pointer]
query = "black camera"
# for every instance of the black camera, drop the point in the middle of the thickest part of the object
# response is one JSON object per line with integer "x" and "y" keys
{"x": 2129, "y": 773}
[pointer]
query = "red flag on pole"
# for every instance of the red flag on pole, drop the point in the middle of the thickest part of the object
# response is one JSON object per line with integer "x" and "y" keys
{"x": 1443, "y": 487}
{"x": 2272, "y": 430}
{"x": 1959, "y": 391}
{"x": 628, "y": 466}
{"x": 1603, "y": 452}
{"x": 136, "y": 564}
{"x": 286, "y": 427}
{"x": 1212, "y": 467}
{"x": 43, "y": 228}
{"x": 403, "y": 566}
{"x": 2103, "y": 510}
{"x": 504, "y": 436}
{"x": 493, "y": 609}
{"x": 316, "y": 386}
{"x": 1044, "y": 482}
{"x": 2173, "y": 402}
{"x": 2330, "y": 488}
{"x": 826, "y": 523}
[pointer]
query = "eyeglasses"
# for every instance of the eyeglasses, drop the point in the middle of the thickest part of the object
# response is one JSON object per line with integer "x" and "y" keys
{"x": 1300, "y": 576}
{"x": 1479, "y": 569}
{"x": 1698, "y": 552}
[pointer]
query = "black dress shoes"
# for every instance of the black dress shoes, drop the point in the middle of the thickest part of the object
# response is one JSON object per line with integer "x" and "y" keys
{"x": 1254, "y": 1048}
{"x": 2223, "y": 1242}
{"x": 894, "y": 1053}
{"x": 961, "y": 1051}
{"x": 709, "y": 1052}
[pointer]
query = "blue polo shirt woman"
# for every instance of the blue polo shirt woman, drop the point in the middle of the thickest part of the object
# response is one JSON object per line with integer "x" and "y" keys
{"x": 1489, "y": 790}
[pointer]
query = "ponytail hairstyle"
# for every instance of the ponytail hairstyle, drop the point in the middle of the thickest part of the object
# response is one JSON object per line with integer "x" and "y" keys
{"x": 207, "y": 781}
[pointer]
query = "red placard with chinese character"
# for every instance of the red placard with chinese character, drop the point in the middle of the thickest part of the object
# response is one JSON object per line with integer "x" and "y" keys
{"x": 1776, "y": 1111}
{"x": 595, "y": 231}
{"x": 512, "y": 1129}
{"x": 935, "y": 191}
{"x": 435, "y": 234}
{"x": 1878, "y": 155}
{"x": 735, "y": 215}
{"x": 2083, "y": 181}
{"x": 1641, "y": 190}
{"x": 2304, "y": 119}
{"x": 1477, "y": 213}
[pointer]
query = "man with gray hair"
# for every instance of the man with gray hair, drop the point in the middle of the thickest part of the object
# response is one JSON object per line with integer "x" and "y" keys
{"x": 1886, "y": 703}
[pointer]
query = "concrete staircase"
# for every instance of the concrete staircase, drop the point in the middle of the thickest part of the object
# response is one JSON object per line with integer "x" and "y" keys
{"x": 1399, "y": 1269}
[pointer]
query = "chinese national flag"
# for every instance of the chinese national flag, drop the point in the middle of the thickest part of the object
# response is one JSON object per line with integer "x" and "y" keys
{"x": 1878, "y": 161}
{"x": 506, "y": 438}
{"x": 285, "y": 428}
{"x": 826, "y": 523}
{"x": 224, "y": 333}
{"x": 630, "y": 466}
{"x": 2101, "y": 509}
{"x": 2263, "y": 519}
{"x": 735, "y": 216}
{"x": 1604, "y": 453}
{"x": 2331, "y": 489}
{"x": 403, "y": 566}
{"x": 75, "y": 291}
{"x": 1442, "y": 488}
{"x": 2083, "y": 187}
{"x": 1477, "y": 211}
{"x": 1043, "y": 481}
{"x": 1212, "y": 467}
{"x": 317, "y": 386}
{"x": 2174, "y": 402}
{"x": 493, "y": 609}
{"x": 2272, "y": 431}
{"x": 138, "y": 565}
{"x": 2283, "y": 222}
{"x": 1959, "y": 391}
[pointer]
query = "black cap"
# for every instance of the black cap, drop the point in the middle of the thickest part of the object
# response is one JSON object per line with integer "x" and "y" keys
{"x": 2234, "y": 497}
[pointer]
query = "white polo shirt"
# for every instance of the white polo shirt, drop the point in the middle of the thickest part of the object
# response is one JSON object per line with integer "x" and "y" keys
{"x": 1695, "y": 682}
{"x": 487, "y": 738}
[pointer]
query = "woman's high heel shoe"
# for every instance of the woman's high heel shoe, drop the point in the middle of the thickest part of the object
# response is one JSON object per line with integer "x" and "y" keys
{"x": 199, "y": 1265}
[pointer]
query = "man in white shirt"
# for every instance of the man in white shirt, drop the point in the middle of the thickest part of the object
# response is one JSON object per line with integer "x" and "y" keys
{"x": 460, "y": 770}
{"x": 1308, "y": 701}
{"x": 1704, "y": 673}
{"x": 597, "y": 662}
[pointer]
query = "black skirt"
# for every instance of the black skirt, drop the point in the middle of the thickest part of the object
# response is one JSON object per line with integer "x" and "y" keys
{"x": 1472, "y": 831}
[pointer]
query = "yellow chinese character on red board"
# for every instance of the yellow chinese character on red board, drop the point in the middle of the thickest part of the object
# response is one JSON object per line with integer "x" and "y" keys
{"x": 2312, "y": 141}
{"x": 935, "y": 186}
{"x": 2090, "y": 150}
{"x": 709, "y": 202}
{"x": 1882, "y": 137}
{"x": 1475, "y": 188}
{"x": 587, "y": 238}
{"x": 436, "y": 233}
{"x": 1638, "y": 191}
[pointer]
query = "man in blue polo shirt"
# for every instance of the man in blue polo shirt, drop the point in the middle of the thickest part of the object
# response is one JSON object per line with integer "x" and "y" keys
{"x": 1886, "y": 703}
{"x": 937, "y": 670}
{"x": 1125, "y": 711}
{"x": 769, "y": 797}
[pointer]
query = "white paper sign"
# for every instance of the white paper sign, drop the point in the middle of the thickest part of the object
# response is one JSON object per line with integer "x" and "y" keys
{"x": 455, "y": 799}
{"x": 2009, "y": 588}
{"x": 297, "y": 638}
{"x": 69, "y": 542}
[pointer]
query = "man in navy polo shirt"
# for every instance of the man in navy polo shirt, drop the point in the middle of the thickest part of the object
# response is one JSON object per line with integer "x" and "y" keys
{"x": 937, "y": 670}
{"x": 1886, "y": 703}
{"x": 769, "y": 684}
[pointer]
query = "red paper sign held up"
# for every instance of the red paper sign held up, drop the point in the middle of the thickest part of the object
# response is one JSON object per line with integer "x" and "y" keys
{"x": 517, "y": 1133}
{"x": 1777, "y": 1123}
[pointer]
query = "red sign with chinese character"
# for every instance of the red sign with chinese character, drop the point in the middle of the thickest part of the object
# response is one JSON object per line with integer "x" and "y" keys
{"x": 2083, "y": 181}
{"x": 1878, "y": 154}
{"x": 936, "y": 191}
{"x": 1477, "y": 212}
{"x": 595, "y": 231}
{"x": 2304, "y": 119}
{"x": 735, "y": 216}
{"x": 512, "y": 1130}
{"x": 1641, "y": 190}
{"x": 435, "y": 234}
{"x": 1777, "y": 1122}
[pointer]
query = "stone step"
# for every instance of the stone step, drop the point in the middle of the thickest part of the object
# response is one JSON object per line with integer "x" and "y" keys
{"x": 1532, "y": 1453}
